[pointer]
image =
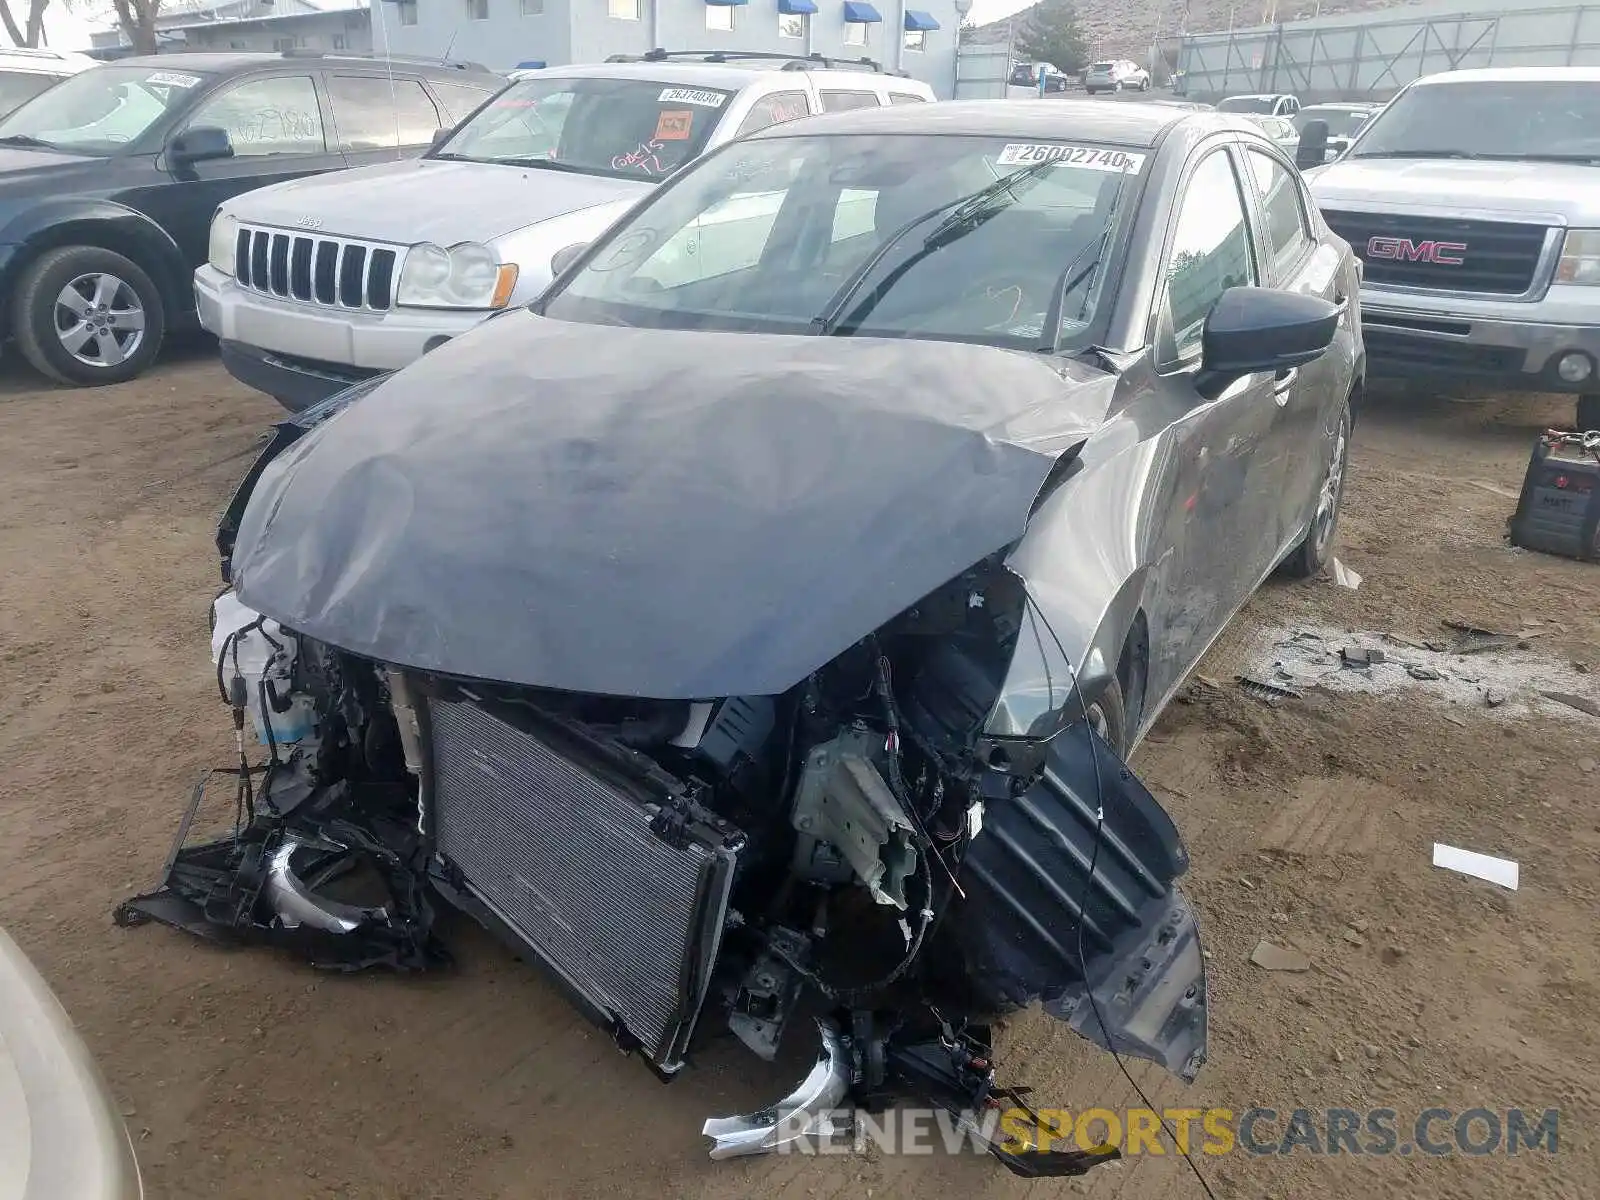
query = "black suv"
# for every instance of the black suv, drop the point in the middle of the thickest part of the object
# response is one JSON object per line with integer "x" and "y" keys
{"x": 108, "y": 181}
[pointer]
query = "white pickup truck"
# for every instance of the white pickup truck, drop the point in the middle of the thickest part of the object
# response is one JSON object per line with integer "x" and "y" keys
{"x": 1473, "y": 199}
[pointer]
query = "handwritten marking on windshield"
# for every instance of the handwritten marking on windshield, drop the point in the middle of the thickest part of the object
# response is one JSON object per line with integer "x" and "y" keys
{"x": 1089, "y": 157}
{"x": 644, "y": 158}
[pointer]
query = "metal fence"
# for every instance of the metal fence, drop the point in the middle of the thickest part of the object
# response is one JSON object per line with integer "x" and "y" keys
{"x": 1334, "y": 59}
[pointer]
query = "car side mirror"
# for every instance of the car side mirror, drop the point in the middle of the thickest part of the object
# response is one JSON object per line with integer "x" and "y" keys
{"x": 199, "y": 143}
{"x": 440, "y": 137}
{"x": 1312, "y": 149}
{"x": 1253, "y": 329}
{"x": 565, "y": 257}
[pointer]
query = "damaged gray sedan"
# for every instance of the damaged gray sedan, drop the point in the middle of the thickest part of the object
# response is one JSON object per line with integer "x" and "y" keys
{"x": 755, "y": 629}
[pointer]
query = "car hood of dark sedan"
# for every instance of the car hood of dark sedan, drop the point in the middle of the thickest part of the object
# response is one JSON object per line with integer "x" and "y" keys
{"x": 652, "y": 512}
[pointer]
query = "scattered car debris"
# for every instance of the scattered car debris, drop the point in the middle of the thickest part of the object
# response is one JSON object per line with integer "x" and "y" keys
{"x": 1501, "y": 871}
{"x": 1345, "y": 577}
{"x": 1267, "y": 691}
{"x": 1362, "y": 657}
{"x": 1581, "y": 703}
{"x": 1270, "y": 956}
{"x": 1494, "y": 697}
{"x": 1427, "y": 674}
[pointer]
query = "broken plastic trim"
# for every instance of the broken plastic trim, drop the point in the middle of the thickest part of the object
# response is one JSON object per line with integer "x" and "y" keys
{"x": 804, "y": 1112}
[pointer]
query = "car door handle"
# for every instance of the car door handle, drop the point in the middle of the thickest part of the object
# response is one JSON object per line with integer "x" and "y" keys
{"x": 1282, "y": 383}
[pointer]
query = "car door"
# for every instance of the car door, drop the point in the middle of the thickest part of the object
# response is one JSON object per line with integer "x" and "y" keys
{"x": 1296, "y": 259}
{"x": 378, "y": 119}
{"x": 1219, "y": 516}
{"x": 278, "y": 130}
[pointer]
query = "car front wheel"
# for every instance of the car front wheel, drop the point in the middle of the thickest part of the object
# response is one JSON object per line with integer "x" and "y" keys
{"x": 1312, "y": 554}
{"x": 88, "y": 316}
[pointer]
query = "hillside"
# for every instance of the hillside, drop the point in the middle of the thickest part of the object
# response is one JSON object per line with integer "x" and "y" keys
{"x": 1125, "y": 28}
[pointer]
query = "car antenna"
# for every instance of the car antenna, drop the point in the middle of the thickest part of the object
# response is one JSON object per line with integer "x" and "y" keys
{"x": 388, "y": 70}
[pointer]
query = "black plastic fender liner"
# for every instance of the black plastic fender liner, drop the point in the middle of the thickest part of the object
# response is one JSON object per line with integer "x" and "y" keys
{"x": 1025, "y": 876}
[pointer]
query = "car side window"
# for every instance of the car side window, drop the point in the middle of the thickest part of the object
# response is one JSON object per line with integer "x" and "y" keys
{"x": 458, "y": 99}
{"x": 1210, "y": 253}
{"x": 1288, "y": 225}
{"x": 774, "y": 110}
{"x": 839, "y": 101}
{"x": 374, "y": 113}
{"x": 906, "y": 98}
{"x": 277, "y": 115}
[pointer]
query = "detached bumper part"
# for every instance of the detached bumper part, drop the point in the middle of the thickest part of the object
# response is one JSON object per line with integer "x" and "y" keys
{"x": 804, "y": 1112}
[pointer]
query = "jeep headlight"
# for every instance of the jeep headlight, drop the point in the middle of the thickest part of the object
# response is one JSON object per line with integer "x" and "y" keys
{"x": 466, "y": 275}
{"x": 224, "y": 242}
{"x": 1580, "y": 257}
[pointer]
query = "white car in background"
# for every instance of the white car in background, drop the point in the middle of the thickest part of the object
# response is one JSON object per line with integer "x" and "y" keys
{"x": 1280, "y": 129}
{"x": 25, "y": 73}
{"x": 318, "y": 283}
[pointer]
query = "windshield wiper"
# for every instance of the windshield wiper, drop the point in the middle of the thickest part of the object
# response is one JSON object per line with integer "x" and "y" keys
{"x": 1535, "y": 156}
{"x": 543, "y": 164}
{"x": 26, "y": 139}
{"x": 969, "y": 213}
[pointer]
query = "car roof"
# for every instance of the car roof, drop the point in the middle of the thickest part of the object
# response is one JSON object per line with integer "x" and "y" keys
{"x": 1132, "y": 124}
{"x": 224, "y": 61}
{"x": 732, "y": 76}
{"x": 1514, "y": 75}
{"x": 22, "y": 58}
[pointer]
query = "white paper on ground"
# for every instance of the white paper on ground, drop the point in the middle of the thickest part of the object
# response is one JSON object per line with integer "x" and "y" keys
{"x": 1344, "y": 576}
{"x": 1480, "y": 866}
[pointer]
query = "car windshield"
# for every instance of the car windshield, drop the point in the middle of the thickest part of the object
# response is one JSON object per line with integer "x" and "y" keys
{"x": 1523, "y": 119}
{"x": 1342, "y": 122}
{"x": 99, "y": 111}
{"x": 18, "y": 87}
{"x": 1248, "y": 104}
{"x": 631, "y": 128}
{"x": 877, "y": 235}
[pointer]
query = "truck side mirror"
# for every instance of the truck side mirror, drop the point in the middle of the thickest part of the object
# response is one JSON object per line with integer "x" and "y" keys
{"x": 199, "y": 143}
{"x": 1312, "y": 149}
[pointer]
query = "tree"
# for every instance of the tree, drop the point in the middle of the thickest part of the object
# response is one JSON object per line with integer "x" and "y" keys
{"x": 1050, "y": 33}
{"x": 138, "y": 21}
{"x": 35, "y": 27}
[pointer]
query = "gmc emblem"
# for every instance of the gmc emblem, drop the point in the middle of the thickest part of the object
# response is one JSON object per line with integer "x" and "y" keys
{"x": 1393, "y": 249}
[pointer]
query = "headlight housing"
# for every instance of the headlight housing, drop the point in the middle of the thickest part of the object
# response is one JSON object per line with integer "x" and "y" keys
{"x": 1580, "y": 257}
{"x": 224, "y": 242}
{"x": 467, "y": 275}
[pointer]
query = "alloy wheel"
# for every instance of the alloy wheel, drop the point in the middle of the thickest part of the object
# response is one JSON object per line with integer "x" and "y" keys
{"x": 1332, "y": 489}
{"x": 99, "y": 319}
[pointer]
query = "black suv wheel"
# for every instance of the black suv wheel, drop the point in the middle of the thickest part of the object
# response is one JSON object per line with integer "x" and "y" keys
{"x": 87, "y": 316}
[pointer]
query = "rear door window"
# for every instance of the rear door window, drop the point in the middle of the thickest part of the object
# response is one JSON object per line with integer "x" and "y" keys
{"x": 376, "y": 113}
{"x": 840, "y": 101}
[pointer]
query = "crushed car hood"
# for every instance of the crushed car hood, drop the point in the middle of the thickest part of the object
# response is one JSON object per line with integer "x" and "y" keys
{"x": 431, "y": 200}
{"x": 646, "y": 512}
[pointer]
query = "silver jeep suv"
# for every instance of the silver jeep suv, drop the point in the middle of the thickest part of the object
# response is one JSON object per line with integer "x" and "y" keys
{"x": 1474, "y": 200}
{"x": 318, "y": 283}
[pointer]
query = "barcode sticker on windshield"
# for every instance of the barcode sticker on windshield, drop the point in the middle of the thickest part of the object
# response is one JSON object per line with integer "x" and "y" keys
{"x": 1024, "y": 154}
{"x": 171, "y": 79}
{"x": 691, "y": 96}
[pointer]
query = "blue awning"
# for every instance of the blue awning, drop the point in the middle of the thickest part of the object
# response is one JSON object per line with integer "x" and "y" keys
{"x": 797, "y": 8}
{"x": 859, "y": 12}
{"x": 919, "y": 22}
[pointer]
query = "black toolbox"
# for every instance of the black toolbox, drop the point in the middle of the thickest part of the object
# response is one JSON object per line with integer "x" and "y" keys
{"x": 1559, "y": 509}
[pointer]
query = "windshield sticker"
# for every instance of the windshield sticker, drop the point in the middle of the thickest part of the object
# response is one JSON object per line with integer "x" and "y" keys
{"x": 171, "y": 79}
{"x": 691, "y": 96}
{"x": 675, "y": 125}
{"x": 1026, "y": 153}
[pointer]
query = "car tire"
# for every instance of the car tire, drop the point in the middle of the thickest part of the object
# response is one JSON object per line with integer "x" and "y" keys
{"x": 1588, "y": 413}
{"x": 110, "y": 333}
{"x": 1117, "y": 86}
{"x": 1108, "y": 716}
{"x": 1316, "y": 548}
{"x": 1144, "y": 86}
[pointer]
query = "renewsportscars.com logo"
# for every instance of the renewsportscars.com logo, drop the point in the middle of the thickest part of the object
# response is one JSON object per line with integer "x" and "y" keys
{"x": 1378, "y": 1132}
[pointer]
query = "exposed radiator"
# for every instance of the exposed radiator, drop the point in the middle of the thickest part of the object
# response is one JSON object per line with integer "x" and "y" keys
{"x": 565, "y": 856}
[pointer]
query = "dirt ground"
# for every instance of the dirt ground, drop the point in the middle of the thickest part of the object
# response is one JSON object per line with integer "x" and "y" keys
{"x": 1309, "y": 823}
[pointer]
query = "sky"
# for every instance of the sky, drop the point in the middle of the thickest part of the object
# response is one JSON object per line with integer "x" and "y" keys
{"x": 984, "y": 11}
